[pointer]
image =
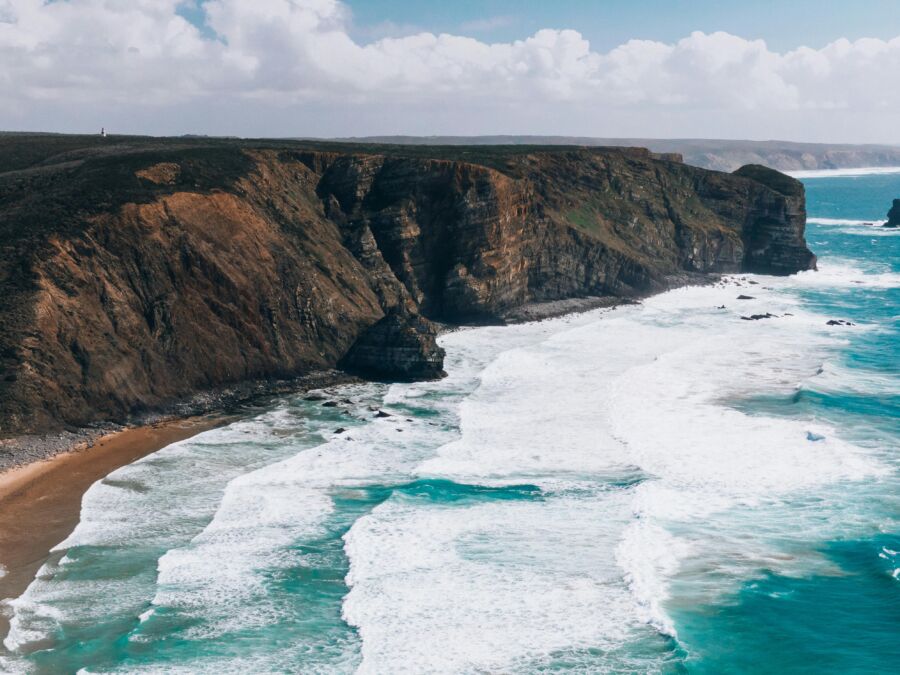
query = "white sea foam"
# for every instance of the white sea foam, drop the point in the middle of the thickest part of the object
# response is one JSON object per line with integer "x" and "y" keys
{"x": 839, "y": 273}
{"x": 710, "y": 458}
{"x": 835, "y": 377}
{"x": 649, "y": 555}
{"x": 466, "y": 586}
{"x": 479, "y": 588}
{"x": 511, "y": 433}
{"x": 866, "y": 228}
{"x": 644, "y": 387}
{"x": 219, "y": 579}
{"x": 12, "y": 666}
{"x": 220, "y": 576}
{"x": 844, "y": 221}
{"x": 844, "y": 173}
{"x": 871, "y": 231}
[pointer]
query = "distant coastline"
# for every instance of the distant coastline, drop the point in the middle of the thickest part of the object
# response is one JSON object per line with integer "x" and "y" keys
{"x": 846, "y": 172}
{"x": 717, "y": 154}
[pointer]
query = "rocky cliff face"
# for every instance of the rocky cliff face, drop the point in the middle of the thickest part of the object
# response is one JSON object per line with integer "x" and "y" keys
{"x": 401, "y": 346}
{"x": 139, "y": 274}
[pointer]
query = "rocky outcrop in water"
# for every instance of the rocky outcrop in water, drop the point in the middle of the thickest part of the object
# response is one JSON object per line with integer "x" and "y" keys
{"x": 894, "y": 215}
{"x": 140, "y": 272}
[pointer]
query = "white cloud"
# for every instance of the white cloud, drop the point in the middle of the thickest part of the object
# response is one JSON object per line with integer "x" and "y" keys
{"x": 273, "y": 61}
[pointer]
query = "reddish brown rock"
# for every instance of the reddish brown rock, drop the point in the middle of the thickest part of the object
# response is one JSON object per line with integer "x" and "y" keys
{"x": 138, "y": 274}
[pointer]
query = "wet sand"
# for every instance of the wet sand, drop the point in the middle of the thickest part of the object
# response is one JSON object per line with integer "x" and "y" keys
{"x": 40, "y": 503}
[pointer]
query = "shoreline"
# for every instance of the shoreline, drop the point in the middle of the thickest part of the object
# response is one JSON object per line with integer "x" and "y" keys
{"x": 40, "y": 502}
{"x": 44, "y": 478}
{"x": 30, "y": 448}
{"x": 40, "y": 498}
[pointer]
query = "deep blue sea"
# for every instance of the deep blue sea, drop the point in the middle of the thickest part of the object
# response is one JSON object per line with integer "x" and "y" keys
{"x": 658, "y": 488}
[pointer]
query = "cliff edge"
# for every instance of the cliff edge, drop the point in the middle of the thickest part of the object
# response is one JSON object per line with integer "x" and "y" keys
{"x": 138, "y": 272}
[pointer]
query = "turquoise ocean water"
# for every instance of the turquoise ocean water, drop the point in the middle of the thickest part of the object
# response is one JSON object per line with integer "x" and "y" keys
{"x": 662, "y": 488}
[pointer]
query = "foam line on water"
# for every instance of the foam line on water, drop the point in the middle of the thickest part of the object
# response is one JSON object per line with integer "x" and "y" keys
{"x": 838, "y": 273}
{"x": 844, "y": 221}
{"x": 874, "y": 227}
{"x": 837, "y": 378}
{"x": 845, "y": 173}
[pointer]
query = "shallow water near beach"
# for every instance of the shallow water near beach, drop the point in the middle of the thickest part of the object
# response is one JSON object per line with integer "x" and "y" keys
{"x": 656, "y": 488}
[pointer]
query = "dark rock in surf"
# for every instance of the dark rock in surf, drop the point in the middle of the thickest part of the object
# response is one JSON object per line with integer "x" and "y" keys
{"x": 402, "y": 346}
{"x": 894, "y": 215}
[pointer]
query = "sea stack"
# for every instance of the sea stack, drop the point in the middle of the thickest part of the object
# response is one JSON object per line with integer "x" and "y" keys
{"x": 894, "y": 215}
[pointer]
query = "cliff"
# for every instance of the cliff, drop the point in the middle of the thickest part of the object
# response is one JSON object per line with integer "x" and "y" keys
{"x": 138, "y": 272}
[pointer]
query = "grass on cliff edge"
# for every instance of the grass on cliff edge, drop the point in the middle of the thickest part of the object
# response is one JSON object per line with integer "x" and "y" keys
{"x": 22, "y": 150}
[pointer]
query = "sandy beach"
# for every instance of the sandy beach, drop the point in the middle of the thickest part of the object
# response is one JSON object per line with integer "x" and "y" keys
{"x": 40, "y": 503}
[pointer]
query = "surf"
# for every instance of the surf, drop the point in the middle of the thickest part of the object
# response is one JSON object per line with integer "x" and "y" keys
{"x": 618, "y": 490}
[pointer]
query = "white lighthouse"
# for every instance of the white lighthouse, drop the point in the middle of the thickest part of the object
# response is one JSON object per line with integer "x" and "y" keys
{"x": 103, "y": 132}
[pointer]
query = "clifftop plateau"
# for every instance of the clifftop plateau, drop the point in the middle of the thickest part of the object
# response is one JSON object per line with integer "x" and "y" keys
{"x": 135, "y": 272}
{"x": 718, "y": 154}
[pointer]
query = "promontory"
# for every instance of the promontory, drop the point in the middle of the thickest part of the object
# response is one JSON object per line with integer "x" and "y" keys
{"x": 139, "y": 272}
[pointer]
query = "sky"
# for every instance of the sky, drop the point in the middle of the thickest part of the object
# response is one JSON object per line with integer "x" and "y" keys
{"x": 783, "y": 24}
{"x": 803, "y": 70}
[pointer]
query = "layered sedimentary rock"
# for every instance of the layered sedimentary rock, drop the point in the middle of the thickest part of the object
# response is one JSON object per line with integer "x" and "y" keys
{"x": 401, "y": 346}
{"x": 138, "y": 274}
